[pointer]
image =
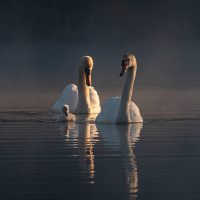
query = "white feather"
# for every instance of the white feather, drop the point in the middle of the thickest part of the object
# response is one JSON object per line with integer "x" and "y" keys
{"x": 110, "y": 110}
{"x": 69, "y": 97}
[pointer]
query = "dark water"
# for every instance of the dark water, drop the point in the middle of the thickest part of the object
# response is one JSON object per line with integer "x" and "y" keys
{"x": 44, "y": 159}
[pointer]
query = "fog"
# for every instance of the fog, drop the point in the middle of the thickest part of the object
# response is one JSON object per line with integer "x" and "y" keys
{"x": 41, "y": 43}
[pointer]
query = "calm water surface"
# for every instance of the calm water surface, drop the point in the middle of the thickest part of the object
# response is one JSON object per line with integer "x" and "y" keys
{"x": 44, "y": 159}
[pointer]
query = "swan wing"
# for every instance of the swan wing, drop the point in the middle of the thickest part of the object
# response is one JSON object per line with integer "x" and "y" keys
{"x": 69, "y": 96}
{"x": 94, "y": 100}
{"x": 135, "y": 113}
{"x": 109, "y": 110}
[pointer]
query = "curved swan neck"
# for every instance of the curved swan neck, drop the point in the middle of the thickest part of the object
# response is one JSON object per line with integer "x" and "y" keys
{"x": 123, "y": 113}
{"x": 83, "y": 94}
{"x": 128, "y": 86}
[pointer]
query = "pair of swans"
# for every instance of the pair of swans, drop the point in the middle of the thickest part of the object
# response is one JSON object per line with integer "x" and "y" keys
{"x": 85, "y": 100}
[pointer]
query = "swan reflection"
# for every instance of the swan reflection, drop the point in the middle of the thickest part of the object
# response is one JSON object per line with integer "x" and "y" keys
{"x": 103, "y": 150}
{"x": 88, "y": 136}
{"x": 83, "y": 137}
{"x": 122, "y": 138}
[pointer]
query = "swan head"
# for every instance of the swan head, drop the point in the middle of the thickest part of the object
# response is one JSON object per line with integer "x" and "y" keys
{"x": 66, "y": 110}
{"x": 128, "y": 60}
{"x": 87, "y": 66}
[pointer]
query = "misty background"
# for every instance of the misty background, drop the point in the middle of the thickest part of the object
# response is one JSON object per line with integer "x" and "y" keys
{"x": 41, "y": 43}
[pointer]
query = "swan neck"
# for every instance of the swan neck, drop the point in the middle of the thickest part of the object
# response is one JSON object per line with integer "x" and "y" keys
{"x": 83, "y": 93}
{"x": 123, "y": 113}
{"x": 128, "y": 86}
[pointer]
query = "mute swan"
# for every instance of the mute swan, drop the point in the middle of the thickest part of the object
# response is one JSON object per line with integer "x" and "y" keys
{"x": 84, "y": 98}
{"x": 122, "y": 110}
{"x": 68, "y": 116}
{"x": 65, "y": 116}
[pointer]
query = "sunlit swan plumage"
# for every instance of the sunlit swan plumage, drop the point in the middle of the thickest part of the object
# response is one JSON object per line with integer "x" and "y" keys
{"x": 122, "y": 110}
{"x": 84, "y": 98}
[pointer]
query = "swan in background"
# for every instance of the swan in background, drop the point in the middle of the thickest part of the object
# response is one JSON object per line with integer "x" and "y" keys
{"x": 84, "y": 98}
{"x": 65, "y": 116}
{"x": 122, "y": 110}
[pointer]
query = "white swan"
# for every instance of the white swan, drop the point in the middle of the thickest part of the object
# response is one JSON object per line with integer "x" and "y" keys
{"x": 122, "y": 110}
{"x": 84, "y": 98}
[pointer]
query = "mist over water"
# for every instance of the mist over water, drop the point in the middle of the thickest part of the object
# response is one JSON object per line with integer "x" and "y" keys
{"x": 35, "y": 75}
{"x": 41, "y": 44}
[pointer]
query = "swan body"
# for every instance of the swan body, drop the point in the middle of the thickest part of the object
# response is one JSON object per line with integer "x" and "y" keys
{"x": 122, "y": 110}
{"x": 69, "y": 96}
{"x": 110, "y": 110}
{"x": 81, "y": 99}
{"x": 70, "y": 118}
